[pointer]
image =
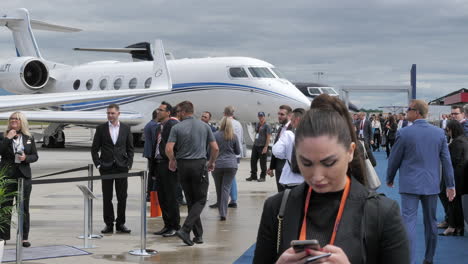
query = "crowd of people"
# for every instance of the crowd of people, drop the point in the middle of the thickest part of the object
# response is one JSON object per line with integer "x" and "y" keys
{"x": 318, "y": 164}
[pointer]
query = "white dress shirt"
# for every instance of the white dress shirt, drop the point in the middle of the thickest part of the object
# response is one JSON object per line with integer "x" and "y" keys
{"x": 283, "y": 150}
{"x": 114, "y": 131}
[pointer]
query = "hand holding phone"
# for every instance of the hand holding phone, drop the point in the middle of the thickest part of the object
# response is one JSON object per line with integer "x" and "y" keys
{"x": 301, "y": 245}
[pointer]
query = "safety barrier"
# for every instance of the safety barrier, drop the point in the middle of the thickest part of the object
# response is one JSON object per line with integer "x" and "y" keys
{"x": 142, "y": 251}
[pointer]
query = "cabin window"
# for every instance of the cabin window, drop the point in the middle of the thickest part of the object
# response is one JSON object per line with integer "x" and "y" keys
{"x": 76, "y": 84}
{"x": 118, "y": 83}
{"x": 89, "y": 84}
{"x": 103, "y": 84}
{"x": 148, "y": 82}
{"x": 238, "y": 72}
{"x": 132, "y": 83}
{"x": 261, "y": 72}
{"x": 278, "y": 73}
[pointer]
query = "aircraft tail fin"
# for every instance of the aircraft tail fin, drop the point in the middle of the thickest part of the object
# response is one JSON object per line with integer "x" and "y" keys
{"x": 21, "y": 26}
{"x": 162, "y": 77}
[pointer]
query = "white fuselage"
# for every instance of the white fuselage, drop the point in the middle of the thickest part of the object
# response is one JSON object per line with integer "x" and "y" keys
{"x": 206, "y": 82}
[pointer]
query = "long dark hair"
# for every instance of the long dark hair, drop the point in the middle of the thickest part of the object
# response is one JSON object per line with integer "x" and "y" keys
{"x": 456, "y": 128}
{"x": 341, "y": 126}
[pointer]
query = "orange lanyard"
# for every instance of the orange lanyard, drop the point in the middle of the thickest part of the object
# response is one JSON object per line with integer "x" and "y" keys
{"x": 338, "y": 217}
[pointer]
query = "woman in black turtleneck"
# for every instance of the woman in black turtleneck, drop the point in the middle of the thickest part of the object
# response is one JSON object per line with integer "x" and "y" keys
{"x": 368, "y": 227}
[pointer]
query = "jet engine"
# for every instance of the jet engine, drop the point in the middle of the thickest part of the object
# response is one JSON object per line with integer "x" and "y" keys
{"x": 24, "y": 75}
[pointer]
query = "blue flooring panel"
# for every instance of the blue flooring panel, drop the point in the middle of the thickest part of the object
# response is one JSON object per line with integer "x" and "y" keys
{"x": 453, "y": 250}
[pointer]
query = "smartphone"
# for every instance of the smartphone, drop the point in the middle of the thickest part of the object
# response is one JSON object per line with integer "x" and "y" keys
{"x": 314, "y": 258}
{"x": 300, "y": 245}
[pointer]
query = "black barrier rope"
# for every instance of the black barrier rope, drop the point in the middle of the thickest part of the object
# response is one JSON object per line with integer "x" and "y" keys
{"x": 87, "y": 178}
{"x": 62, "y": 172}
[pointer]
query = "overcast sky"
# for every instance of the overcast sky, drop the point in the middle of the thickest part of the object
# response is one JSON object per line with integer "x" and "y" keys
{"x": 363, "y": 42}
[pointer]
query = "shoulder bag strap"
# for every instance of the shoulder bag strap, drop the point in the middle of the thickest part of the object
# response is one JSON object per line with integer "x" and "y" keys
{"x": 281, "y": 216}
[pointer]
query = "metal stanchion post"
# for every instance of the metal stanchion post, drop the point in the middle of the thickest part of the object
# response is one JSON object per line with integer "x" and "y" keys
{"x": 20, "y": 212}
{"x": 143, "y": 251}
{"x": 90, "y": 207}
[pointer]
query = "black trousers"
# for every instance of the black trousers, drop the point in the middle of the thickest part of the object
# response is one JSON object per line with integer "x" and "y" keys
{"x": 195, "y": 186}
{"x": 167, "y": 182}
{"x": 121, "y": 186}
{"x": 151, "y": 184}
{"x": 5, "y": 230}
{"x": 377, "y": 141}
{"x": 455, "y": 213}
{"x": 256, "y": 155}
{"x": 390, "y": 143}
{"x": 444, "y": 200}
{"x": 278, "y": 170}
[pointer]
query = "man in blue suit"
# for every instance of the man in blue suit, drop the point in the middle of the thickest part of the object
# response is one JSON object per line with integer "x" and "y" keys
{"x": 418, "y": 151}
{"x": 150, "y": 139}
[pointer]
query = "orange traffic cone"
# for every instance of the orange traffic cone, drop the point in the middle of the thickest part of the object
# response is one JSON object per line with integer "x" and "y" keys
{"x": 155, "y": 208}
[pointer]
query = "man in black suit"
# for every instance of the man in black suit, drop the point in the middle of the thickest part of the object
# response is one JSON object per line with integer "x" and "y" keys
{"x": 364, "y": 133}
{"x": 114, "y": 140}
{"x": 284, "y": 118}
{"x": 167, "y": 181}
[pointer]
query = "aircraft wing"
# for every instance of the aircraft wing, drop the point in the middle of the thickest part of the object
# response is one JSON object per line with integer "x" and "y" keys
{"x": 19, "y": 102}
{"x": 76, "y": 117}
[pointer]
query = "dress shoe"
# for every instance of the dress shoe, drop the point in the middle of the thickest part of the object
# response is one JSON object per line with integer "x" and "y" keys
{"x": 185, "y": 237}
{"x": 442, "y": 225}
{"x": 198, "y": 240}
{"x": 108, "y": 229}
{"x": 26, "y": 244}
{"x": 261, "y": 180}
{"x": 123, "y": 229}
{"x": 460, "y": 231}
{"x": 215, "y": 205}
{"x": 222, "y": 218}
{"x": 170, "y": 233}
{"x": 427, "y": 262}
{"x": 162, "y": 231}
{"x": 232, "y": 205}
{"x": 251, "y": 179}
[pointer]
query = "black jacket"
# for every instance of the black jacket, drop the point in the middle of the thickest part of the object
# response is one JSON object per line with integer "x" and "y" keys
{"x": 459, "y": 156}
{"x": 119, "y": 155}
{"x": 274, "y": 160}
{"x": 391, "y": 134}
{"x": 8, "y": 156}
{"x": 164, "y": 137}
{"x": 383, "y": 240}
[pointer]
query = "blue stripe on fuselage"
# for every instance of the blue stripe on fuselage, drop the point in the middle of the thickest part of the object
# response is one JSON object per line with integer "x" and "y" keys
{"x": 179, "y": 88}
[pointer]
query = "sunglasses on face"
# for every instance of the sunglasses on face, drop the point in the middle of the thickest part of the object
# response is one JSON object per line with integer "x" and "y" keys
{"x": 14, "y": 119}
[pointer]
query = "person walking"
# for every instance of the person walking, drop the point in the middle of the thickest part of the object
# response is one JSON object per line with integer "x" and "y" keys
{"x": 226, "y": 164}
{"x": 417, "y": 153}
{"x": 114, "y": 141}
{"x": 191, "y": 138}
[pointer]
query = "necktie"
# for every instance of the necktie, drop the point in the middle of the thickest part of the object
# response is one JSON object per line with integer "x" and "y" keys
{"x": 279, "y": 133}
{"x": 158, "y": 140}
{"x": 362, "y": 124}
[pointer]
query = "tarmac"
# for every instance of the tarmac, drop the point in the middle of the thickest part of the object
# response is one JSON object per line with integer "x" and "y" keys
{"x": 57, "y": 214}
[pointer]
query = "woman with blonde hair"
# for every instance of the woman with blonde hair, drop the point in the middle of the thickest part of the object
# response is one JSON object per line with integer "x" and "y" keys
{"x": 226, "y": 164}
{"x": 18, "y": 150}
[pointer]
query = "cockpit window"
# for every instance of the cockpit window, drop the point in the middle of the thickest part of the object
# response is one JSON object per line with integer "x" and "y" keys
{"x": 314, "y": 91}
{"x": 278, "y": 73}
{"x": 238, "y": 72}
{"x": 330, "y": 91}
{"x": 261, "y": 72}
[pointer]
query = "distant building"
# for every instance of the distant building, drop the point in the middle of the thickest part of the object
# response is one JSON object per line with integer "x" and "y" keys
{"x": 459, "y": 97}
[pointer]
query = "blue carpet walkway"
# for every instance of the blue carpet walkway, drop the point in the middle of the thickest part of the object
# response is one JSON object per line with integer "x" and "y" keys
{"x": 450, "y": 250}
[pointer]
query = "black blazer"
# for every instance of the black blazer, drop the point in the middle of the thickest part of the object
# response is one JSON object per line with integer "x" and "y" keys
{"x": 274, "y": 160}
{"x": 119, "y": 155}
{"x": 382, "y": 241}
{"x": 367, "y": 130}
{"x": 164, "y": 137}
{"x": 459, "y": 156}
{"x": 8, "y": 156}
{"x": 391, "y": 135}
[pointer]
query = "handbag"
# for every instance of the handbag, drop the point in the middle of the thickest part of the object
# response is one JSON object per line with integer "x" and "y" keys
{"x": 373, "y": 181}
